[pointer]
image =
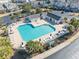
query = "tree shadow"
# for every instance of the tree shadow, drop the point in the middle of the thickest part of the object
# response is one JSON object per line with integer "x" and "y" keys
{"x": 21, "y": 54}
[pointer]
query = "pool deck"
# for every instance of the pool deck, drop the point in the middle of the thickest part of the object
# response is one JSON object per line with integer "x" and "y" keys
{"x": 38, "y": 23}
{"x": 16, "y": 39}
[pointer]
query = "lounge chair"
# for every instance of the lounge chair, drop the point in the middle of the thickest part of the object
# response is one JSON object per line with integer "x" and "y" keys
{"x": 57, "y": 34}
{"x": 50, "y": 34}
{"x": 61, "y": 33}
{"x": 64, "y": 30}
{"x": 39, "y": 39}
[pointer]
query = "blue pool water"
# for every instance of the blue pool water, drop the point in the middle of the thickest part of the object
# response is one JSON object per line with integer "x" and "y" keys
{"x": 28, "y": 32}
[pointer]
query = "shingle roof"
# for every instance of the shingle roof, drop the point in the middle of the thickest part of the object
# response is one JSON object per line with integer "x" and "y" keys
{"x": 53, "y": 16}
{"x": 10, "y": 5}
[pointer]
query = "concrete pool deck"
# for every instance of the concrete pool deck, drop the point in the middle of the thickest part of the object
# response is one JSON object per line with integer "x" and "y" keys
{"x": 16, "y": 39}
{"x": 38, "y": 23}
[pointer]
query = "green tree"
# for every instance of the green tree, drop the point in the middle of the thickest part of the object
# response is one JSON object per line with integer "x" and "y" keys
{"x": 65, "y": 19}
{"x": 34, "y": 47}
{"x": 75, "y": 22}
{"x": 18, "y": 14}
{"x": 6, "y": 50}
{"x": 13, "y": 17}
{"x": 27, "y": 7}
{"x": 48, "y": 1}
{"x": 4, "y": 29}
{"x": 38, "y": 10}
{"x": 70, "y": 28}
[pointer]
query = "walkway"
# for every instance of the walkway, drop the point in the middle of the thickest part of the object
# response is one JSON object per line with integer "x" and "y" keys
{"x": 70, "y": 52}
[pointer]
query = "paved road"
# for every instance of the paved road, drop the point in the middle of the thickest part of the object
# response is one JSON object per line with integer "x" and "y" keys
{"x": 6, "y": 14}
{"x": 70, "y": 52}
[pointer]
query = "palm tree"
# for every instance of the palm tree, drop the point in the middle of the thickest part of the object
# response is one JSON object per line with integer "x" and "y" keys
{"x": 4, "y": 29}
{"x": 70, "y": 28}
{"x": 75, "y": 23}
{"x": 72, "y": 21}
{"x": 65, "y": 19}
{"x": 38, "y": 10}
{"x": 34, "y": 47}
{"x": 6, "y": 50}
{"x": 27, "y": 7}
{"x": 13, "y": 17}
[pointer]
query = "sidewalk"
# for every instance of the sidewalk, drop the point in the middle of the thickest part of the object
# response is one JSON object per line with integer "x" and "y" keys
{"x": 57, "y": 48}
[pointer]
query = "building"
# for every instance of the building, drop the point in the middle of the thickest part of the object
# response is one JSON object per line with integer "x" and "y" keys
{"x": 7, "y": 5}
{"x": 2, "y": 9}
{"x": 11, "y": 6}
{"x": 4, "y": 1}
{"x": 22, "y": 1}
{"x": 54, "y": 19}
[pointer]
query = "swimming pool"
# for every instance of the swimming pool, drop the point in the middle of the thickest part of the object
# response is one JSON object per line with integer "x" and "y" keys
{"x": 28, "y": 32}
